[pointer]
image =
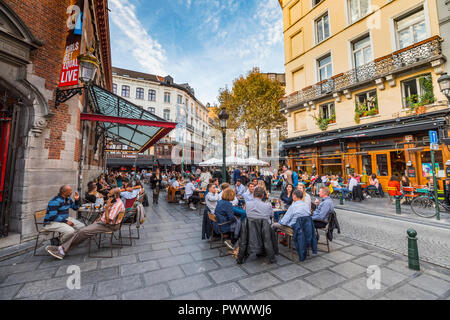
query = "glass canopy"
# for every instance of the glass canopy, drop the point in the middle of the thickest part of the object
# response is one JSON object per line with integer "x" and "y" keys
{"x": 125, "y": 122}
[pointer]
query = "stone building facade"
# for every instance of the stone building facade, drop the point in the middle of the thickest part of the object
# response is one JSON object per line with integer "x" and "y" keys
{"x": 45, "y": 152}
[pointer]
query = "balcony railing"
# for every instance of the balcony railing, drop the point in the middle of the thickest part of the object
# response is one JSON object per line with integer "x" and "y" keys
{"x": 422, "y": 52}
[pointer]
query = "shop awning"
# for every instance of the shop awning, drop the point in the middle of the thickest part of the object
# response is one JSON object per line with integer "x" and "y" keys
{"x": 385, "y": 129}
{"x": 125, "y": 122}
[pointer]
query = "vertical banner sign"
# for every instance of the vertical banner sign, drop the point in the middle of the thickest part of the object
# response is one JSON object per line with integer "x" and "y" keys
{"x": 74, "y": 25}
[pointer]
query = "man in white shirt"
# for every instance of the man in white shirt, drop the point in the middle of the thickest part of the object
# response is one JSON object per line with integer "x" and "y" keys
{"x": 212, "y": 197}
{"x": 240, "y": 188}
{"x": 189, "y": 194}
{"x": 353, "y": 182}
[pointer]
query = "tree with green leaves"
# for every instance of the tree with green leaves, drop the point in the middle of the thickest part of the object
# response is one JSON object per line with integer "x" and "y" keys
{"x": 253, "y": 103}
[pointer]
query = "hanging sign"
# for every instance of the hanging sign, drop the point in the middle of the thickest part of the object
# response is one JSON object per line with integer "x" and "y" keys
{"x": 74, "y": 25}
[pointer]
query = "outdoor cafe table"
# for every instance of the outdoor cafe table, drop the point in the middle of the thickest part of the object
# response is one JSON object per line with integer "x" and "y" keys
{"x": 88, "y": 213}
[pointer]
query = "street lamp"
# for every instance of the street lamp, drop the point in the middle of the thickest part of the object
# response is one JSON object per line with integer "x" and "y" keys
{"x": 444, "y": 84}
{"x": 88, "y": 69}
{"x": 223, "y": 117}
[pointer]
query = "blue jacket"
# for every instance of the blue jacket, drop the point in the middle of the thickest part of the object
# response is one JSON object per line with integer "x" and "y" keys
{"x": 224, "y": 213}
{"x": 304, "y": 237}
{"x": 294, "y": 179}
{"x": 58, "y": 209}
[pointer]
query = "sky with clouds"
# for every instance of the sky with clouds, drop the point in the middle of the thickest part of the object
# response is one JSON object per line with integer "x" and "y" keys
{"x": 206, "y": 43}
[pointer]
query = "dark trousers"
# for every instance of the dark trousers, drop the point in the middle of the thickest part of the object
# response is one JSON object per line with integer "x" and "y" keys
{"x": 319, "y": 224}
{"x": 194, "y": 199}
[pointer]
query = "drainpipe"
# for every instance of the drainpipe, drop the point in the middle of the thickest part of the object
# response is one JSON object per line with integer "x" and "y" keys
{"x": 83, "y": 142}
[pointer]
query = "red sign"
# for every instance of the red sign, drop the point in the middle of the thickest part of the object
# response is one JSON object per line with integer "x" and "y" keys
{"x": 74, "y": 24}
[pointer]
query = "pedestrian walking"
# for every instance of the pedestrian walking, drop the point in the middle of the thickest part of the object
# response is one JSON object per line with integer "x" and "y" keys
{"x": 155, "y": 181}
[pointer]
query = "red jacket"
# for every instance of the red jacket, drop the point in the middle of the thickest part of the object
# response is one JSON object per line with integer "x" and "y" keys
{"x": 394, "y": 184}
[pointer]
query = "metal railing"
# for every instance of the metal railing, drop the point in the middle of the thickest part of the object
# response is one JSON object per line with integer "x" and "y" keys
{"x": 421, "y": 52}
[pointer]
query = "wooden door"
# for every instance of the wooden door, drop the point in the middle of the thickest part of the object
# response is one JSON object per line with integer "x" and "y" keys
{"x": 381, "y": 166}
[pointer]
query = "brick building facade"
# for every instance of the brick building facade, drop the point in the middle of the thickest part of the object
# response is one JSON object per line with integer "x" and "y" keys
{"x": 46, "y": 150}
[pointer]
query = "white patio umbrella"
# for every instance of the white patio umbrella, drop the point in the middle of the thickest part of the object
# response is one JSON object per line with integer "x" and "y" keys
{"x": 210, "y": 162}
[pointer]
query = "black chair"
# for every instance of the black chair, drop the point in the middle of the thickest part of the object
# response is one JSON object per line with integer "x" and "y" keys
{"x": 223, "y": 235}
{"x": 325, "y": 229}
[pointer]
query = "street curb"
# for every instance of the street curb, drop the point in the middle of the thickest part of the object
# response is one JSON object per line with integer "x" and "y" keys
{"x": 397, "y": 217}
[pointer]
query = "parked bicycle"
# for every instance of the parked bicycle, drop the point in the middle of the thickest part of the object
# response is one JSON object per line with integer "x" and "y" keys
{"x": 425, "y": 204}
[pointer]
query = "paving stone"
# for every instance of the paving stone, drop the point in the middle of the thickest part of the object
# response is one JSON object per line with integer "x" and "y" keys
{"x": 383, "y": 255}
{"x": 109, "y": 298}
{"x": 118, "y": 285}
{"x": 359, "y": 287}
{"x": 338, "y": 256}
{"x": 355, "y": 250}
{"x": 32, "y": 289}
{"x": 84, "y": 293}
{"x": 349, "y": 269}
{"x": 180, "y": 235}
{"x": 118, "y": 261}
{"x": 402, "y": 267}
{"x": 289, "y": 272}
{"x": 29, "y": 276}
{"x": 437, "y": 274}
{"x": 408, "y": 292}
{"x": 336, "y": 294}
{"x": 202, "y": 255}
{"x": 295, "y": 290}
{"x": 259, "y": 282}
{"x": 369, "y": 260}
{"x": 341, "y": 242}
{"x": 189, "y": 284}
{"x": 95, "y": 276}
{"x": 282, "y": 261}
{"x": 258, "y": 266}
{"x": 185, "y": 249}
{"x": 157, "y": 292}
{"x": 265, "y": 295}
{"x": 70, "y": 259}
{"x": 84, "y": 267}
{"x": 166, "y": 245}
{"x": 226, "y": 261}
{"x": 163, "y": 275}
{"x": 324, "y": 279}
{"x": 19, "y": 267}
{"x": 175, "y": 260}
{"x": 431, "y": 284}
{"x": 7, "y": 293}
{"x": 189, "y": 296}
{"x": 390, "y": 277}
{"x": 154, "y": 255}
{"x": 228, "y": 291}
{"x": 139, "y": 248}
{"x": 140, "y": 267}
{"x": 199, "y": 267}
{"x": 227, "y": 274}
{"x": 316, "y": 263}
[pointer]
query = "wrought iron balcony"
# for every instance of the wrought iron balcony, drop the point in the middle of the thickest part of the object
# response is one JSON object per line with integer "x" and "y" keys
{"x": 410, "y": 57}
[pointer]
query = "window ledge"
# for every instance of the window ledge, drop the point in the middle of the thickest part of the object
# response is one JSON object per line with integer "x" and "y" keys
{"x": 370, "y": 117}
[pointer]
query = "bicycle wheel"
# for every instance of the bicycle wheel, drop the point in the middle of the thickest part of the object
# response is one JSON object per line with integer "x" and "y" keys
{"x": 424, "y": 207}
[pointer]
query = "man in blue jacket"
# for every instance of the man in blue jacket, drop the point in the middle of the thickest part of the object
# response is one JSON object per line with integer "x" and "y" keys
{"x": 57, "y": 218}
{"x": 324, "y": 208}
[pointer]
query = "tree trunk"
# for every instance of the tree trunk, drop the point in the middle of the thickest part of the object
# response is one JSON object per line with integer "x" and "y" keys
{"x": 257, "y": 143}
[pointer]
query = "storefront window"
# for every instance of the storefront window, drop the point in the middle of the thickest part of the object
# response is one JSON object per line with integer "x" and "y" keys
{"x": 332, "y": 166}
{"x": 426, "y": 162}
{"x": 367, "y": 164}
{"x": 382, "y": 165}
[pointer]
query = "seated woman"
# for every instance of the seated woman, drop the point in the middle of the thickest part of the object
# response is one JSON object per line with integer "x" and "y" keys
{"x": 394, "y": 185}
{"x": 406, "y": 182}
{"x": 306, "y": 197}
{"x": 286, "y": 195}
{"x": 338, "y": 188}
{"x": 261, "y": 184}
{"x": 374, "y": 184}
{"x": 224, "y": 213}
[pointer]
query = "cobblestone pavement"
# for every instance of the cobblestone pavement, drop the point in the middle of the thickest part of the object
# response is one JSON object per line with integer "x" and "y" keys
{"x": 170, "y": 261}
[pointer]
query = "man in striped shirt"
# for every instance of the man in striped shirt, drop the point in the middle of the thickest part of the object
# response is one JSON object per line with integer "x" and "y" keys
{"x": 106, "y": 223}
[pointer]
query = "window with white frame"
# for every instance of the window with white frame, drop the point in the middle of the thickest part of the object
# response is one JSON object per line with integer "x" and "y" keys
{"x": 152, "y": 110}
{"x": 166, "y": 114}
{"x": 167, "y": 97}
{"x": 362, "y": 51}
{"x": 358, "y": 9}
{"x": 151, "y": 95}
{"x": 367, "y": 103}
{"x": 140, "y": 93}
{"x": 126, "y": 91}
{"x": 327, "y": 111}
{"x": 325, "y": 67}
{"x": 179, "y": 99}
{"x": 114, "y": 88}
{"x": 418, "y": 90}
{"x": 322, "y": 28}
{"x": 411, "y": 29}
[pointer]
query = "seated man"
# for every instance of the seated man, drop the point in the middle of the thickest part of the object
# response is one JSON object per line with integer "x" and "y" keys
{"x": 107, "y": 222}
{"x": 212, "y": 197}
{"x": 240, "y": 188}
{"x": 324, "y": 208}
{"x": 257, "y": 209}
{"x": 248, "y": 195}
{"x": 57, "y": 218}
{"x": 296, "y": 210}
{"x": 189, "y": 194}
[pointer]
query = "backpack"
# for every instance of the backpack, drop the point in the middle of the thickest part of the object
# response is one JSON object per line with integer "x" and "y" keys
{"x": 295, "y": 179}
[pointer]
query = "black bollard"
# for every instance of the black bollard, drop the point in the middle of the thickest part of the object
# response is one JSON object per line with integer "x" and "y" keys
{"x": 413, "y": 251}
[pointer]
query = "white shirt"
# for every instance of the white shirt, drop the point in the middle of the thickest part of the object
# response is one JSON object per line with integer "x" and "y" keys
{"x": 176, "y": 184}
{"x": 335, "y": 184}
{"x": 189, "y": 190}
{"x": 353, "y": 183}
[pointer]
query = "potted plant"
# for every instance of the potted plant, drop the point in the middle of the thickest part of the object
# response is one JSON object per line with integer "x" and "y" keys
{"x": 417, "y": 103}
{"x": 323, "y": 123}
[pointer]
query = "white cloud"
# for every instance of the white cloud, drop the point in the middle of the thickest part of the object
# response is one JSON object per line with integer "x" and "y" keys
{"x": 147, "y": 52}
